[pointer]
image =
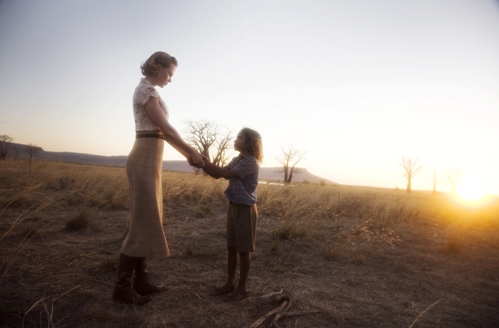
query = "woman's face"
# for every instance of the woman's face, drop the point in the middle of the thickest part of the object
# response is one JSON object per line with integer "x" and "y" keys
{"x": 165, "y": 75}
{"x": 240, "y": 143}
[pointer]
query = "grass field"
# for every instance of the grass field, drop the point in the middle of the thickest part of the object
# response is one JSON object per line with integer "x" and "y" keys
{"x": 361, "y": 257}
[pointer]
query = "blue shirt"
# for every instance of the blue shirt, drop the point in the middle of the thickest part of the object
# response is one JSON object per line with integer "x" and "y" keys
{"x": 242, "y": 190}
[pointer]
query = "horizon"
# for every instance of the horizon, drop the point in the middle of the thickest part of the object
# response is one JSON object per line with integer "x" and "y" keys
{"x": 357, "y": 85}
{"x": 445, "y": 191}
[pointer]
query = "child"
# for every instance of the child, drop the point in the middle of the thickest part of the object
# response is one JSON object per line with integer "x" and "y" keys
{"x": 242, "y": 173}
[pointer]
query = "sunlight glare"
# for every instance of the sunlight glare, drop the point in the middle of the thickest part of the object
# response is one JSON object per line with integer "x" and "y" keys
{"x": 471, "y": 189}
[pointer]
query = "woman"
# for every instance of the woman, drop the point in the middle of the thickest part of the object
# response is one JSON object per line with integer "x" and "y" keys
{"x": 146, "y": 237}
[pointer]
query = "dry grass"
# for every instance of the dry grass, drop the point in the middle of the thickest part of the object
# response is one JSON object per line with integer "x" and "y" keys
{"x": 364, "y": 257}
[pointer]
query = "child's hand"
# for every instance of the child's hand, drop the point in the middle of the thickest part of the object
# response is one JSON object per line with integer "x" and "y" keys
{"x": 196, "y": 160}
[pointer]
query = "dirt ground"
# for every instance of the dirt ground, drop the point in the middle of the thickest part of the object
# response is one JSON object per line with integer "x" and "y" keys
{"x": 54, "y": 277}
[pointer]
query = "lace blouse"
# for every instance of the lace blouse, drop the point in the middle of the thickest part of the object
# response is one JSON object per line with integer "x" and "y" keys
{"x": 141, "y": 95}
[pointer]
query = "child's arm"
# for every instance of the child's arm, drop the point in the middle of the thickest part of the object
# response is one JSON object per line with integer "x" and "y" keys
{"x": 218, "y": 172}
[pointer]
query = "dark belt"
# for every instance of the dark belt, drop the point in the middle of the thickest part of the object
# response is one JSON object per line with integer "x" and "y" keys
{"x": 150, "y": 135}
{"x": 232, "y": 203}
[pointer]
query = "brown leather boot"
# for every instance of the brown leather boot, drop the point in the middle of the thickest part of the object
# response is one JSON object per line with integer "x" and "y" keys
{"x": 123, "y": 291}
{"x": 141, "y": 282}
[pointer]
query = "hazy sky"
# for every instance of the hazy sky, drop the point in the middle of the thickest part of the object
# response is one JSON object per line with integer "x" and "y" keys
{"x": 355, "y": 83}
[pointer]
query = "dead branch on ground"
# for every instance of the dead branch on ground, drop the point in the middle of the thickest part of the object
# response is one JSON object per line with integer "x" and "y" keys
{"x": 274, "y": 311}
{"x": 281, "y": 310}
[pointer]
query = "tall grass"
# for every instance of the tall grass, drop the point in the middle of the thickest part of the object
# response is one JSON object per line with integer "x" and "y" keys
{"x": 306, "y": 211}
{"x": 337, "y": 223}
{"x": 309, "y": 211}
{"x": 107, "y": 188}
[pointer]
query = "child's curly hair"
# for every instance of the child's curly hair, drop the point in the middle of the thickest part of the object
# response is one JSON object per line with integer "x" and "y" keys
{"x": 254, "y": 143}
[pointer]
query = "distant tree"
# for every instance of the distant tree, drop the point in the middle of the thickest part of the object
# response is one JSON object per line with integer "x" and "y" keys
{"x": 288, "y": 159}
{"x": 5, "y": 141}
{"x": 31, "y": 149}
{"x": 223, "y": 144}
{"x": 434, "y": 180}
{"x": 411, "y": 169}
{"x": 15, "y": 153}
{"x": 454, "y": 176}
{"x": 211, "y": 140}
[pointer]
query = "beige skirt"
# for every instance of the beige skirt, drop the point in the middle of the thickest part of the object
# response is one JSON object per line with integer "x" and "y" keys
{"x": 146, "y": 237}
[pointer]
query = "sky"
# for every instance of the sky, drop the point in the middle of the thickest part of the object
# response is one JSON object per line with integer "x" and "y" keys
{"x": 355, "y": 84}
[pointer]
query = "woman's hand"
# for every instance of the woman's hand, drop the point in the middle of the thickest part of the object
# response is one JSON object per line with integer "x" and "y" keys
{"x": 196, "y": 159}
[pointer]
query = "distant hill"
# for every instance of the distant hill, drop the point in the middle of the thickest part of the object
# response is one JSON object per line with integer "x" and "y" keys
{"x": 266, "y": 173}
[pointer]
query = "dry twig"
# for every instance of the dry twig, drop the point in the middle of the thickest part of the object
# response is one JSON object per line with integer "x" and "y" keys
{"x": 49, "y": 312}
{"x": 274, "y": 311}
{"x": 290, "y": 304}
{"x": 266, "y": 297}
{"x": 281, "y": 311}
{"x": 419, "y": 315}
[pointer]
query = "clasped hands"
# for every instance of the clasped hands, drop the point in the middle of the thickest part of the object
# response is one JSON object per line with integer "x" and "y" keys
{"x": 198, "y": 161}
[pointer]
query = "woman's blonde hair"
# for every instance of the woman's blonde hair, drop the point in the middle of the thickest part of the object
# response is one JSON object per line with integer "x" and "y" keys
{"x": 151, "y": 65}
{"x": 253, "y": 142}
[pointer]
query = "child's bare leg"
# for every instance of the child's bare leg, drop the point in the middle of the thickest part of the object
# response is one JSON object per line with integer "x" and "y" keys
{"x": 244, "y": 266}
{"x": 231, "y": 268}
{"x": 231, "y": 274}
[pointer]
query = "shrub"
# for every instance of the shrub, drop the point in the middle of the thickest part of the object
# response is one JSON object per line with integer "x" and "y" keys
{"x": 191, "y": 250}
{"x": 82, "y": 221}
{"x": 332, "y": 252}
{"x": 203, "y": 211}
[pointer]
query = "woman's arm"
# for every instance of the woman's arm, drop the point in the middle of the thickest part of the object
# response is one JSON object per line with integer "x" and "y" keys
{"x": 173, "y": 138}
{"x": 218, "y": 172}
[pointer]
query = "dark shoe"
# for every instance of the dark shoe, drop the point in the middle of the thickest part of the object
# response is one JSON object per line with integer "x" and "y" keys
{"x": 141, "y": 282}
{"x": 143, "y": 286}
{"x": 123, "y": 291}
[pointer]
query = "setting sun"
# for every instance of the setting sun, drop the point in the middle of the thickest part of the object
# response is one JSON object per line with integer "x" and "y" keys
{"x": 471, "y": 189}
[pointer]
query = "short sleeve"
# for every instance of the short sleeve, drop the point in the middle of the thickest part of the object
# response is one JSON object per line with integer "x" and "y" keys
{"x": 245, "y": 166}
{"x": 144, "y": 92}
{"x": 231, "y": 163}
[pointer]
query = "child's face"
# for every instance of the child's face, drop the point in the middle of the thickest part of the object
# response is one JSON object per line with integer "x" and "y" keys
{"x": 240, "y": 143}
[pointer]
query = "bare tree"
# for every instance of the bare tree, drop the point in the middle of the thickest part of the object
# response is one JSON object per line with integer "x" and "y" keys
{"x": 434, "y": 180}
{"x": 454, "y": 177}
{"x": 223, "y": 144}
{"x": 211, "y": 140}
{"x": 411, "y": 169}
{"x": 15, "y": 152}
{"x": 288, "y": 159}
{"x": 31, "y": 149}
{"x": 5, "y": 140}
